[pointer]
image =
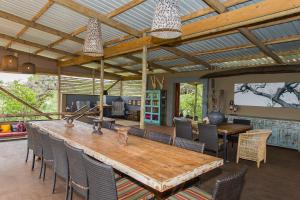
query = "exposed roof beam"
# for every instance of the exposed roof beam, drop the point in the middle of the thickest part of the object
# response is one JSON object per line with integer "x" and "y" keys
{"x": 122, "y": 68}
{"x": 252, "y": 38}
{"x": 187, "y": 56}
{"x": 21, "y": 41}
{"x": 35, "y": 25}
{"x": 256, "y": 13}
{"x": 101, "y": 17}
{"x": 150, "y": 64}
{"x": 124, "y": 8}
{"x": 216, "y": 5}
{"x": 33, "y": 19}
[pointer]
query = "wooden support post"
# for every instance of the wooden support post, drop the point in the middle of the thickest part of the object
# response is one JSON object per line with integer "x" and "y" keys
{"x": 101, "y": 89}
{"x": 59, "y": 108}
{"x": 144, "y": 87}
{"x": 93, "y": 75}
{"x": 121, "y": 88}
{"x": 196, "y": 100}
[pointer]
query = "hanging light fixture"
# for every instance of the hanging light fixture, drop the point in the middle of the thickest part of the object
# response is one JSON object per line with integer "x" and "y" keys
{"x": 93, "y": 42}
{"x": 166, "y": 22}
{"x": 27, "y": 68}
{"x": 9, "y": 63}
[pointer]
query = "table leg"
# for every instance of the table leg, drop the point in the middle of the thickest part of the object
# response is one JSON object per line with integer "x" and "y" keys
{"x": 225, "y": 147}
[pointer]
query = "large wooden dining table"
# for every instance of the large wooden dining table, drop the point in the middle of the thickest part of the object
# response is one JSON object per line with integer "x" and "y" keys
{"x": 158, "y": 166}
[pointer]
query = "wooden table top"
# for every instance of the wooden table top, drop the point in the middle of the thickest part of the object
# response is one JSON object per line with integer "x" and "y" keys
{"x": 104, "y": 118}
{"x": 231, "y": 129}
{"x": 154, "y": 164}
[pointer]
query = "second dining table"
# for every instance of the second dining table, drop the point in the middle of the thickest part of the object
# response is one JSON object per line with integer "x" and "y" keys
{"x": 158, "y": 166}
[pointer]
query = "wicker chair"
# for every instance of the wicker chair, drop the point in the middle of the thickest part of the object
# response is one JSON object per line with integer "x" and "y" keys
{"x": 253, "y": 146}
{"x": 29, "y": 130}
{"x": 159, "y": 137}
{"x": 47, "y": 158}
{"x": 37, "y": 148}
{"x": 228, "y": 188}
{"x": 61, "y": 165}
{"x": 103, "y": 186}
{"x": 136, "y": 132}
{"x": 183, "y": 128}
{"x": 78, "y": 177}
{"x": 189, "y": 145}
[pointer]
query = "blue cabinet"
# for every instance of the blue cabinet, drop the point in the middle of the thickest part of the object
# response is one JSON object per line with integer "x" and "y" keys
{"x": 284, "y": 133}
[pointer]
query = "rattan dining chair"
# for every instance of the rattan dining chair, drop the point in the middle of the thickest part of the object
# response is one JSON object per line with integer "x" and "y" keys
{"x": 29, "y": 130}
{"x": 183, "y": 128}
{"x": 78, "y": 177}
{"x": 61, "y": 165}
{"x": 227, "y": 188}
{"x": 234, "y": 138}
{"x": 252, "y": 145}
{"x": 106, "y": 124}
{"x": 159, "y": 137}
{"x": 189, "y": 144}
{"x": 103, "y": 186}
{"x": 37, "y": 148}
{"x": 136, "y": 132}
{"x": 47, "y": 158}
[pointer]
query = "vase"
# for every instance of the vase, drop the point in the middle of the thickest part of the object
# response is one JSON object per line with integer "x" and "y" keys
{"x": 216, "y": 117}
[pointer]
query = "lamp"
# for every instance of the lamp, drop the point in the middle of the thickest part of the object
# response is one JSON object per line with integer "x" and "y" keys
{"x": 166, "y": 22}
{"x": 93, "y": 42}
{"x": 27, "y": 68}
{"x": 9, "y": 63}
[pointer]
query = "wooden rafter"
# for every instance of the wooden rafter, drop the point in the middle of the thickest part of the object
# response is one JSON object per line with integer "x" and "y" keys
{"x": 216, "y": 5}
{"x": 187, "y": 56}
{"x": 121, "y": 68}
{"x": 124, "y": 8}
{"x": 101, "y": 17}
{"x": 112, "y": 85}
{"x": 256, "y": 13}
{"x": 37, "y": 26}
{"x": 34, "y": 18}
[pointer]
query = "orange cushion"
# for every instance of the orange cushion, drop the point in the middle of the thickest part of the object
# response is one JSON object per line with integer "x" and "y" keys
{"x": 5, "y": 128}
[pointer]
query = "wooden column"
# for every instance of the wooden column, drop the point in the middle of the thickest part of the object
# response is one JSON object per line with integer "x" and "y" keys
{"x": 121, "y": 88}
{"x": 101, "y": 88}
{"x": 59, "y": 108}
{"x": 196, "y": 100}
{"x": 144, "y": 87}
{"x": 93, "y": 75}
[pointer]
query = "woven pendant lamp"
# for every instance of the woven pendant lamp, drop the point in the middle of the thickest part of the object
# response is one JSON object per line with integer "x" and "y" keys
{"x": 166, "y": 22}
{"x": 9, "y": 63}
{"x": 93, "y": 44}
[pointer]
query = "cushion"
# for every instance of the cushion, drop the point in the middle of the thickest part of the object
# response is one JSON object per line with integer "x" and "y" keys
{"x": 130, "y": 190}
{"x": 5, "y": 128}
{"x": 191, "y": 194}
{"x": 12, "y": 134}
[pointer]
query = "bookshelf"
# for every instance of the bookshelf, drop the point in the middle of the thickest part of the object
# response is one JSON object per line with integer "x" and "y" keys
{"x": 155, "y": 106}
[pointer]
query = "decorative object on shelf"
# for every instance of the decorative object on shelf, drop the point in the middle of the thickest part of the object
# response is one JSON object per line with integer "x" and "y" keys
{"x": 69, "y": 123}
{"x": 232, "y": 106}
{"x": 123, "y": 135}
{"x": 166, "y": 22}
{"x": 9, "y": 63}
{"x": 153, "y": 82}
{"x": 161, "y": 83}
{"x": 27, "y": 68}
{"x": 97, "y": 126}
{"x": 216, "y": 117}
{"x": 93, "y": 44}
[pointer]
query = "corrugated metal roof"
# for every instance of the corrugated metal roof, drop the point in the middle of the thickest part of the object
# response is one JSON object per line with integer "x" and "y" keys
{"x": 39, "y": 37}
{"x": 119, "y": 61}
{"x": 243, "y": 4}
{"x": 50, "y": 54}
{"x": 69, "y": 46}
{"x": 3, "y": 42}
{"x": 172, "y": 63}
{"x": 22, "y": 8}
{"x": 232, "y": 54}
{"x": 295, "y": 58}
{"x": 134, "y": 67}
{"x": 9, "y": 28}
{"x": 103, "y": 6}
{"x": 278, "y": 31}
{"x": 189, "y": 68}
{"x": 23, "y": 47}
{"x": 283, "y": 47}
{"x": 63, "y": 19}
{"x": 158, "y": 53}
{"x": 200, "y": 17}
{"x": 215, "y": 43}
{"x": 245, "y": 63}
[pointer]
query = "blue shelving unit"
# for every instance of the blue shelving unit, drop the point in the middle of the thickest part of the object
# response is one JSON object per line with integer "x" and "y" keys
{"x": 155, "y": 106}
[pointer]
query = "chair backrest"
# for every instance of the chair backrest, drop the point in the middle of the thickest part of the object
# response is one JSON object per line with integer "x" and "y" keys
{"x": 115, "y": 126}
{"x": 189, "y": 144}
{"x": 101, "y": 180}
{"x": 242, "y": 121}
{"x": 106, "y": 124}
{"x": 61, "y": 165}
{"x": 183, "y": 128}
{"x": 29, "y": 130}
{"x": 76, "y": 165}
{"x": 47, "y": 151}
{"x": 208, "y": 134}
{"x": 136, "y": 132}
{"x": 37, "y": 142}
{"x": 159, "y": 137}
{"x": 230, "y": 187}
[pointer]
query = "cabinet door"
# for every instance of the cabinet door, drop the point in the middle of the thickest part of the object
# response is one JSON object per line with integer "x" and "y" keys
{"x": 288, "y": 138}
{"x": 273, "y": 139}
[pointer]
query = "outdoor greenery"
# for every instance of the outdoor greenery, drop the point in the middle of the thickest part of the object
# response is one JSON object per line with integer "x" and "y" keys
{"x": 38, "y": 91}
{"x": 187, "y": 99}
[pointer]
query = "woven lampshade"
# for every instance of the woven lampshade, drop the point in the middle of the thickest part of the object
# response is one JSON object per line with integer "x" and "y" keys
{"x": 93, "y": 42}
{"x": 27, "y": 68}
{"x": 166, "y": 22}
{"x": 9, "y": 63}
